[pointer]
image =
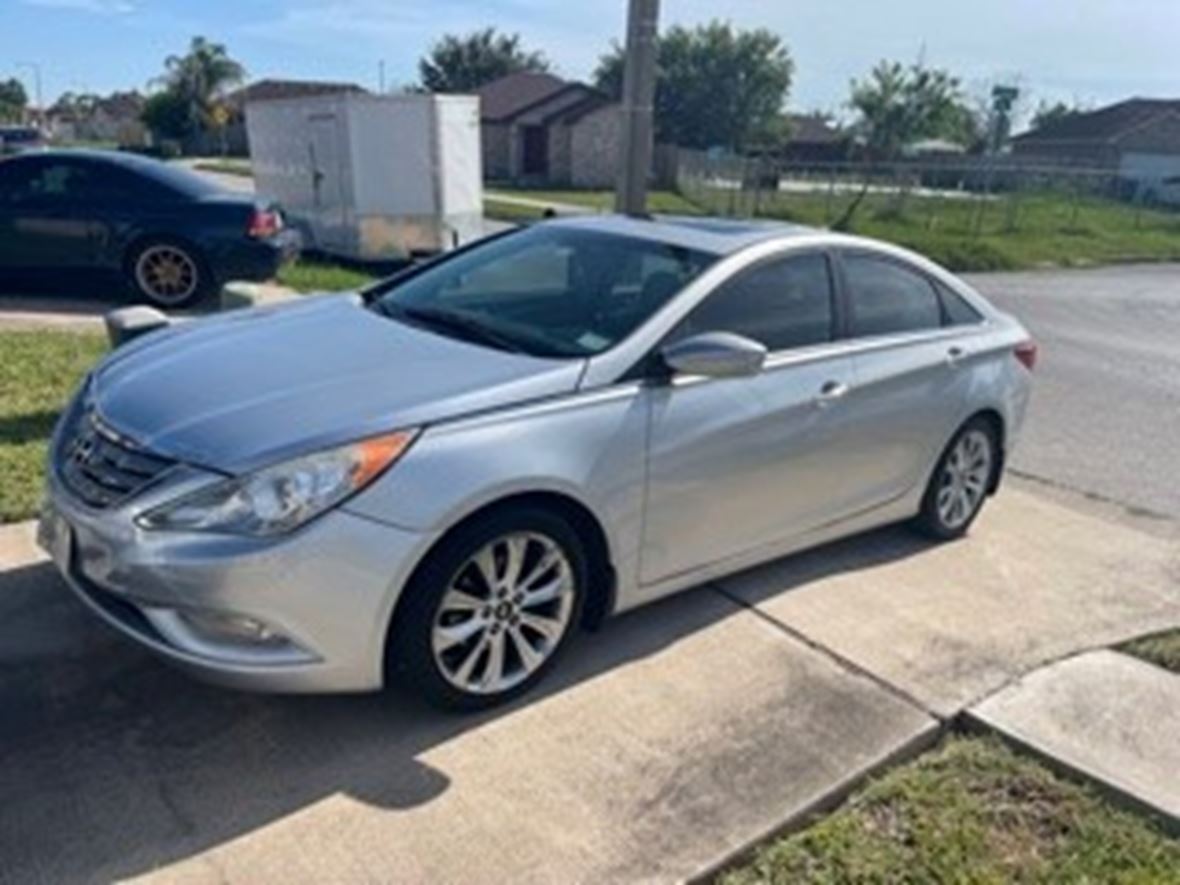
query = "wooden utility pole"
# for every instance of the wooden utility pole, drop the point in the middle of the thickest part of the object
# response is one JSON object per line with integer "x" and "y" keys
{"x": 639, "y": 86}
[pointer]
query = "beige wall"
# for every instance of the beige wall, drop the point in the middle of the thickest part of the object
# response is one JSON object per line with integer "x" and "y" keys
{"x": 594, "y": 148}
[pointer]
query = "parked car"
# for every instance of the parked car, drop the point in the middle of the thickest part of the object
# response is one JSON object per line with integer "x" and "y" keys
{"x": 440, "y": 478}
{"x": 21, "y": 139}
{"x": 170, "y": 234}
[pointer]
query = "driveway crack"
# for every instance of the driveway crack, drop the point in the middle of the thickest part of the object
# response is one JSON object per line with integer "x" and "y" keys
{"x": 835, "y": 657}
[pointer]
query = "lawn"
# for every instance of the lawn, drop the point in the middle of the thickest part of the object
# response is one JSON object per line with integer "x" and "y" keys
{"x": 1162, "y": 649}
{"x": 38, "y": 371}
{"x": 664, "y": 202}
{"x": 970, "y": 811}
{"x": 964, "y": 234}
{"x": 228, "y": 166}
{"x": 309, "y": 275}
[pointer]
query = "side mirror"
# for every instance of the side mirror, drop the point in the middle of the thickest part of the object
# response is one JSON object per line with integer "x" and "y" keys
{"x": 715, "y": 355}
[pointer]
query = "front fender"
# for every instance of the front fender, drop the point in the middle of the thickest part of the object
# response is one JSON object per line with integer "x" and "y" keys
{"x": 590, "y": 447}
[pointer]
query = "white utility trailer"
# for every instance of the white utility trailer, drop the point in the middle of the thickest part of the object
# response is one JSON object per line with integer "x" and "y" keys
{"x": 372, "y": 177}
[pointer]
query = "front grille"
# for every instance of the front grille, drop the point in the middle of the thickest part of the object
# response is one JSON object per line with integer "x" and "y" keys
{"x": 100, "y": 466}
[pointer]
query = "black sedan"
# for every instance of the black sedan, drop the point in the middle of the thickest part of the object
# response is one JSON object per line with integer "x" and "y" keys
{"x": 172, "y": 235}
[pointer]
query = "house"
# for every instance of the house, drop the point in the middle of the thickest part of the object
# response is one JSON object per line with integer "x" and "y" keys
{"x": 267, "y": 90}
{"x": 1138, "y": 138}
{"x": 539, "y": 129}
{"x": 115, "y": 118}
{"x": 811, "y": 138}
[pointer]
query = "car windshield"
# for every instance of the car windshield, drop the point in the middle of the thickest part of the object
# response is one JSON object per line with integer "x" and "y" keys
{"x": 547, "y": 290}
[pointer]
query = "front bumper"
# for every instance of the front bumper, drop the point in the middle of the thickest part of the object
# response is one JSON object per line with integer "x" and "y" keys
{"x": 324, "y": 594}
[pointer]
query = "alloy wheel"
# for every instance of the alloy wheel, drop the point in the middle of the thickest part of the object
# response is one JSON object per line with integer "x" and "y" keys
{"x": 504, "y": 613}
{"x": 964, "y": 479}
{"x": 166, "y": 274}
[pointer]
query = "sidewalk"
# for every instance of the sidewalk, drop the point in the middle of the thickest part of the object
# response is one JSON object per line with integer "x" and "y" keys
{"x": 663, "y": 744}
{"x": 1108, "y": 717}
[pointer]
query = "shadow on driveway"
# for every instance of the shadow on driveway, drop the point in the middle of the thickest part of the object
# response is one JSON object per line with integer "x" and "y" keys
{"x": 114, "y": 764}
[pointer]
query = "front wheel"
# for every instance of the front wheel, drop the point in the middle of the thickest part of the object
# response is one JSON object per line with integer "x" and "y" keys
{"x": 487, "y": 613}
{"x": 960, "y": 482}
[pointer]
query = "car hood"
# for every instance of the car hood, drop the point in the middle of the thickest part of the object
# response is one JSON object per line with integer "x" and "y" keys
{"x": 237, "y": 392}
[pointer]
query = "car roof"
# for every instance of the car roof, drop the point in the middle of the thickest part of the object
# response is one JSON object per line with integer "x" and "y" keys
{"x": 718, "y": 236}
{"x": 175, "y": 177}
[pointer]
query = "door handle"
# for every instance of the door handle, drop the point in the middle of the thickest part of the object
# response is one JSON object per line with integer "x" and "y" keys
{"x": 955, "y": 355}
{"x": 830, "y": 393}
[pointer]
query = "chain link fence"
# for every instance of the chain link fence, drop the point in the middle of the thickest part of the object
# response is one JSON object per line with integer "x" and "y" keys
{"x": 960, "y": 197}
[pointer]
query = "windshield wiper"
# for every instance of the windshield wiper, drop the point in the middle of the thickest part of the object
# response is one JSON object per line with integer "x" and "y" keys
{"x": 461, "y": 324}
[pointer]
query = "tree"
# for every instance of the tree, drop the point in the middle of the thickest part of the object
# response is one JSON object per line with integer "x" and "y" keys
{"x": 13, "y": 100}
{"x": 715, "y": 86}
{"x": 1048, "y": 113}
{"x": 196, "y": 80}
{"x": 897, "y": 105}
{"x": 168, "y": 115}
{"x": 464, "y": 63}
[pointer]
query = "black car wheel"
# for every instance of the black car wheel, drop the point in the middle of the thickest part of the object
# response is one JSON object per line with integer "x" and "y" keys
{"x": 485, "y": 616}
{"x": 168, "y": 274}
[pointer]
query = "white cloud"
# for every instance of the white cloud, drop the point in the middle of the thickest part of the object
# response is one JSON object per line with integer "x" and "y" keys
{"x": 100, "y": 7}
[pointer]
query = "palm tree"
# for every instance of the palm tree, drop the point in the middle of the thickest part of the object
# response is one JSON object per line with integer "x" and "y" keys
{"x": 201, "y": 76}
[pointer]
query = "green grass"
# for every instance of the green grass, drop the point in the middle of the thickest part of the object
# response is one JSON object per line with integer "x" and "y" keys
{"x": 307, "y": 275}
{"x": 971, "y": 811}
{"x": 1011, "y": 233}
{"x": 664, "y": 202}
{"x": 38, "y": 371}
{"x": 1162, "y": 649}
{"x": 240, "y": 168}
{"x": 511, "y": 212}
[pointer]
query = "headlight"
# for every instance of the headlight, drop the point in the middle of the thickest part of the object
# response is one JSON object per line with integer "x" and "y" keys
{"x": 283, "y": 497}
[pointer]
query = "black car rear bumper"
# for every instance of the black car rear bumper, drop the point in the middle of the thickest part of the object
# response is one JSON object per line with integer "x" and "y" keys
{"x": 256, "y": 260}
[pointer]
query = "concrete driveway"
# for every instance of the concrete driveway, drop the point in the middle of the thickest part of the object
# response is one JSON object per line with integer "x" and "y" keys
{"x": 671, "y": 738}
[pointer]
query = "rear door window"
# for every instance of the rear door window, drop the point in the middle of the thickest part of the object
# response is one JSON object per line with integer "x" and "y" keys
{"x": 886, "y": 298}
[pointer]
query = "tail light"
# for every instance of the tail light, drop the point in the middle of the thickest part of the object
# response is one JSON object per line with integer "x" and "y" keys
{"x": 1026, "y": 352}
{"x": 264, "y": 223}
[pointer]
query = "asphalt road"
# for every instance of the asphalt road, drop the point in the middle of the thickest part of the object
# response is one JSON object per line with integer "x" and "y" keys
{"x": 1105, "y": 416}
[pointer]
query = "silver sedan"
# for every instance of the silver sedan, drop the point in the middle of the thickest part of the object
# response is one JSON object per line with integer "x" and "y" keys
{"x": 439, "y": 479}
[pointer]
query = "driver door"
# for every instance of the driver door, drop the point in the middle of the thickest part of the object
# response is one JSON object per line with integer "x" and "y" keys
{"x": 735, "y": 464}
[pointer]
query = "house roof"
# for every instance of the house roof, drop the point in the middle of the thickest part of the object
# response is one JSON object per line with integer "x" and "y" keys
{"x": 1105, "y": 124}
{"x": 813, "y": 129}
{"x": 504, "y": 98}
{"x": 267, "y": 90}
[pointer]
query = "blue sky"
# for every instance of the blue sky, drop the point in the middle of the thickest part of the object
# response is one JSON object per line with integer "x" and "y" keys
{"x": 1089, "y": 50}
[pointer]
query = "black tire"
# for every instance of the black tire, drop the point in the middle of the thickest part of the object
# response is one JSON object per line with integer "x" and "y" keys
{"x": 410, "y": 657}
{"x": 203, "y": 282}
{"x": 933, "y": 520}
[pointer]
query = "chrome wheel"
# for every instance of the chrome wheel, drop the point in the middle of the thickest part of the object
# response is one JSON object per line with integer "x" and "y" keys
{"x": 964, "y": 479}
{"x": 166, "y": 274}
{"x": 504, "y": 613}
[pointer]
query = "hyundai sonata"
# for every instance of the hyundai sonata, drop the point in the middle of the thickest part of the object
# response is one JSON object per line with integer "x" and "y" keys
{"x": 439, "y": 479}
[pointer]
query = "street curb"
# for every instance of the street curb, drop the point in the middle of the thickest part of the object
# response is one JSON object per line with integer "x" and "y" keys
{"x": 969, "y": 722}
{"x": 835, "y": 796}
{"x": 238, "y": 295}
{"x": 18, "y": 546}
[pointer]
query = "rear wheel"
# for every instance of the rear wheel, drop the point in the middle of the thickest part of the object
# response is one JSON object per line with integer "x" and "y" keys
{"x": 960, "y": 482}
{"x": 168, "y": 274}
{"x": 487, "y": 613}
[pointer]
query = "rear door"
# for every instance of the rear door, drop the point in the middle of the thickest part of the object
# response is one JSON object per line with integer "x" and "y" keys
{"x": 739, "y": 463}
{"x": 911, "y": 344}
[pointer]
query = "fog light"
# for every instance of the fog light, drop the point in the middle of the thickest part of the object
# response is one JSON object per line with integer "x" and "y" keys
{"x": 234, "y": 628}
